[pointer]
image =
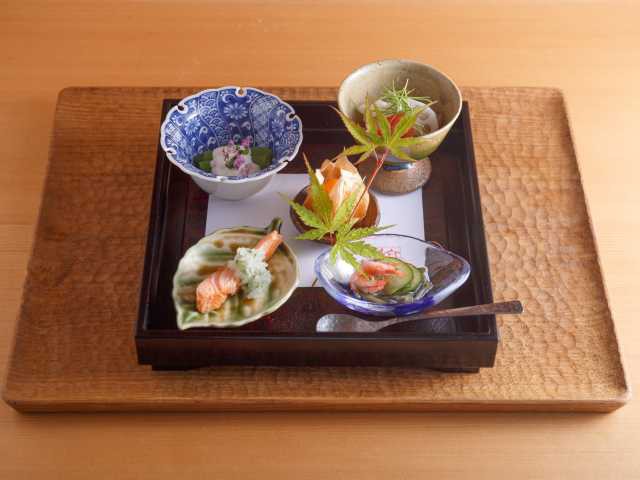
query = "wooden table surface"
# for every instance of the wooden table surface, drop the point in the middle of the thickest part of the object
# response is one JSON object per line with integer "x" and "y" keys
{"x": 589, "y": 49}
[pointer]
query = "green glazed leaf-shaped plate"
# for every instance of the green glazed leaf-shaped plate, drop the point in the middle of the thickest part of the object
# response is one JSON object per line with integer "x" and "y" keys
{"x": 213, "y": 252}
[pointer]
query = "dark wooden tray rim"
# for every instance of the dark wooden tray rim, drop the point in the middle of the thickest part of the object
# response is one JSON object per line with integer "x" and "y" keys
{"x": 475, "y": 333}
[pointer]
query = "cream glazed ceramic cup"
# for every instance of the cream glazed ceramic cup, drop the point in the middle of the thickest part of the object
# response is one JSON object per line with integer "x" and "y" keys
{"x": 370, "y": 81}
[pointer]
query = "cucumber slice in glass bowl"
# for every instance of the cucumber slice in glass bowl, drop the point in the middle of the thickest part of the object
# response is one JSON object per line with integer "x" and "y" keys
{"x": 435, "y": 274}
{"x": 396, "y": 283}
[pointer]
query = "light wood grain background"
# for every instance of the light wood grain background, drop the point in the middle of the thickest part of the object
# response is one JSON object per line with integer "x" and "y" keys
{"x": 589, "y": 49}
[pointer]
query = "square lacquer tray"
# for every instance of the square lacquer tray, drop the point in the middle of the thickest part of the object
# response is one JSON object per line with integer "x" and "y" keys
{"x": 447, "y": 210}
{"x": 75, "y": 349}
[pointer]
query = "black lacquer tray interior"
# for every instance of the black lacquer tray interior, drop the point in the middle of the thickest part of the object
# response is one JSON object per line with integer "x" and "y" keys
{"x": 452, "y": 217}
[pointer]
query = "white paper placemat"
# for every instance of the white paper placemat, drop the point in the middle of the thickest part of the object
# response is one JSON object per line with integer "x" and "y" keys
{"x": 402, "y": 211}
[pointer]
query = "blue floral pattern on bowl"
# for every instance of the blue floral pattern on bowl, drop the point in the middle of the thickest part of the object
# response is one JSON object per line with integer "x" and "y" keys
{"x": 211, "y": 118}
{"x": 445, "y": 270}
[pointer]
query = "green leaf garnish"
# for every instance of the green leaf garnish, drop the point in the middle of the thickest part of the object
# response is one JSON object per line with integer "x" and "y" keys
{"x": 364, "y": 249}
{"x": 204, "y": 165}
{"x": 396, "y": 152}
{"x": 407, "y": 142}
{"x": 320, "y": 200}
{"x": 307, "y": 216}
{"x": 363, "y": 157}
{"x": 314, "y": 234}
{"x": 355, "y": 130}
{"x": 346, "y": 255}
{"x": 363, "y": 232}
{"x": 339, "y": 225}
{"x": 389, "y": 139}
{"x": 207, "y": 155}
{"x": 355, "y": 149}
{"x": 404, "y": 125}
{"x": 344, "y": 210}
{"x": 261, "y": 156}
{"x": 383, "y": 123}
{"x": 203, "y": 160}
{"x": 333, "y": 255}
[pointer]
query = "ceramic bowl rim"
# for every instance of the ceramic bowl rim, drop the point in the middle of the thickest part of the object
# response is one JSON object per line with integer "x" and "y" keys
{"x": 445, "y": 128}
{"x": 222, "y": 178}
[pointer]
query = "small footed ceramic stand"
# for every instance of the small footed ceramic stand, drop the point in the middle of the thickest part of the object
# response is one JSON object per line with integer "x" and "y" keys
{"x": 398, "y": 177}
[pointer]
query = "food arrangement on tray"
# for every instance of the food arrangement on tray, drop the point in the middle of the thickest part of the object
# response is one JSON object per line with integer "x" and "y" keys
{"x": 55, "y": 337}
{"x": 233, "y": 141}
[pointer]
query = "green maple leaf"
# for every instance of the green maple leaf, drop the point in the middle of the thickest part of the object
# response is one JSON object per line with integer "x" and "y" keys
{"x": 363, "y": 232}
{"x": 401, "y": 154}
{"x": 347, "y": 256}
{"x": 349, "y": 243}
{"x": 363, "y": 157}
{"x": 344, "y": 210}
{"x": 383, "y": 123}
{"x": 356, "y": 149}
{"x": 314, "y": 234}
{"x": 320, "y": 200}
{"x": 333, "y": 253}
{"x": 355, "y": 130}
{"x": 407, "y": 142}
{"x": 346, "y": 227}
{"x": 407, "y": 121}
{"x": 308, "y": 217}
{"x": 364, "y": 249}
{"x": 378, "y": 134}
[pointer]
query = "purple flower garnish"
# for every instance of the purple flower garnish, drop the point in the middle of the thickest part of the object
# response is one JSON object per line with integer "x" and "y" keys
{"x": 240, "y": 161}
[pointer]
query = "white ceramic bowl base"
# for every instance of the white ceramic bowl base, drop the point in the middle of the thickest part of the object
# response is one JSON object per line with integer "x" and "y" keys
{"x": 232, "y": 191}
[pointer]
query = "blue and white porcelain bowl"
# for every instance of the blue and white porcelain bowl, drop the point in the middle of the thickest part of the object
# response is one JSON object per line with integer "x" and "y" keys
{"x": 209, "y": 119}
{"x": 445, "y": 270}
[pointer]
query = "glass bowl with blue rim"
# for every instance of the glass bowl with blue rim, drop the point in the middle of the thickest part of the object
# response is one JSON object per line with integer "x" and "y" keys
{"x": 212, "y": 118}
{"x": 445, "y": 272}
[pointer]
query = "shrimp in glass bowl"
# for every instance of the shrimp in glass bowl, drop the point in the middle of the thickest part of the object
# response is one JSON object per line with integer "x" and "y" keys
{"x": 412, "y": 275}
